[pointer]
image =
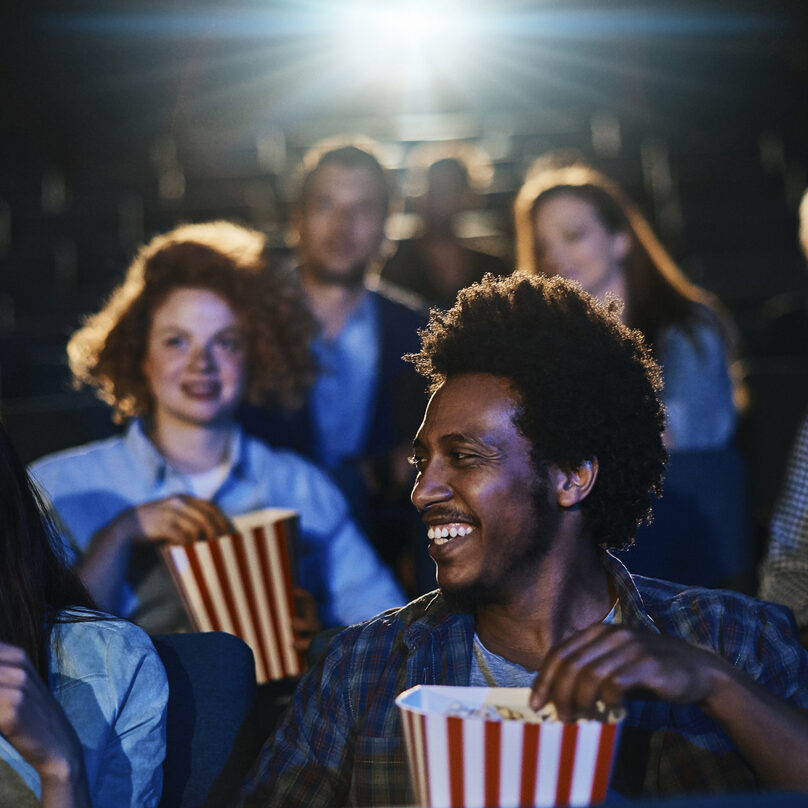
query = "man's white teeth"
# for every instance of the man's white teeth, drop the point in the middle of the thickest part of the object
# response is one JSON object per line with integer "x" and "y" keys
{"x": 441, "y": 534}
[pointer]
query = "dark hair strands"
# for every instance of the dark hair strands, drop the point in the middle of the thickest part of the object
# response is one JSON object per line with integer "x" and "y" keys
{"x": 36, "y": 583}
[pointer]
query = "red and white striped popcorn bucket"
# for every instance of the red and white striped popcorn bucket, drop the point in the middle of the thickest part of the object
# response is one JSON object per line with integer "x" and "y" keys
{"x": 241, "y": 583}
{"x": 458, "y": 761}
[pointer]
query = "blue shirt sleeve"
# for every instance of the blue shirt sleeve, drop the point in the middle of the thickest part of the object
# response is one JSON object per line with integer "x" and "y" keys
{"x": 697, "y": 392}
{"x": 360, "y": 585}
{"x": 113, "y": 688}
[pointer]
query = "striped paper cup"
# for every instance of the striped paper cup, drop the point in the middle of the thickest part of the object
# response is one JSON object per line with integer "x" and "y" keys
{"x": 465, "y": 762}
{"x": 241, "y": 583}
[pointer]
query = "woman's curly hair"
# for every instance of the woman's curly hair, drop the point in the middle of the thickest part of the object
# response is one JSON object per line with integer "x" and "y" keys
{"x": 588, "y": 386}
{"x": 231, "y": 260}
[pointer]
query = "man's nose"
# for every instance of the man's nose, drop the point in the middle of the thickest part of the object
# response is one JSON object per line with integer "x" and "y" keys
{"x": 430, "y": 488}
{"x": 342, "y": 220}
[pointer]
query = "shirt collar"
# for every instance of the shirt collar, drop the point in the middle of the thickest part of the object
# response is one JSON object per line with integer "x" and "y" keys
{"x": 154, "y": 468}
{"x": 150, "y": 463}
{"x": 437, "y": 615}
{"x": 241, "y": 465}
{"x": 631, "y": 603}
{"x": 365, "y": 315}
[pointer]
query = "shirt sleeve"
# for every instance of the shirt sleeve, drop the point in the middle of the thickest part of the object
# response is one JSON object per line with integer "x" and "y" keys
{"x": 113, "y": 689}
{"x": 139, "y": 730}
{"x": 697, "y": 391}
{"x": 339, "y": 563}
{"x": 308, "y": 761}
{"x": 761, "y": 639}
{"x": 784, "y": 571}
{"x": 361, "y": 586}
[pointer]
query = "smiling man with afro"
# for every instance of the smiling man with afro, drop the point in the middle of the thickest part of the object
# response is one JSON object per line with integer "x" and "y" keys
{"x": 539, "y": 450}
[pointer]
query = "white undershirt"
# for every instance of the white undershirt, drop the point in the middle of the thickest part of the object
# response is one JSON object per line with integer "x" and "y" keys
{"x": 204, "y": 484}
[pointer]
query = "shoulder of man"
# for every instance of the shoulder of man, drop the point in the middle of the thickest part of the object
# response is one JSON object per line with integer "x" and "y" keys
{"x": 665, "y": 601}
{"x": 424, "y": 615}
{"x": 396, "y": 298}
{"x": 752, "y": 634}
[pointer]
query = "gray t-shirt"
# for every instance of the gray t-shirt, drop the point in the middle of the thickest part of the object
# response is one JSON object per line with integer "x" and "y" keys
{"x": 504, "y": 673}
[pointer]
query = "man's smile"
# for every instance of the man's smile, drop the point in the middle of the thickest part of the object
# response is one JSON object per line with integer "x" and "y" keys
{"x": 443, "y": 533}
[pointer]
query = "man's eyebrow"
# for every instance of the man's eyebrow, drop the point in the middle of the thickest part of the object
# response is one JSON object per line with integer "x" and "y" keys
{"x": 455, "y": 437}
{"x": 469, "y": 438}
{"x": 463, "y": 437}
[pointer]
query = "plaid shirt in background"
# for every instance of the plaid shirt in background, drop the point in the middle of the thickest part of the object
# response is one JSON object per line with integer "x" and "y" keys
{"x": 784, "y": 571}
{"x": 340, "y": 741}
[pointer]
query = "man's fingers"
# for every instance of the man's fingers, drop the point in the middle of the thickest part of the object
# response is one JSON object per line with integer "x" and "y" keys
{"x": 607, "y": 662}
{"x": 578, "y": 649}
{"x": 578, "y": 679}
{"x": 597, "y": 681}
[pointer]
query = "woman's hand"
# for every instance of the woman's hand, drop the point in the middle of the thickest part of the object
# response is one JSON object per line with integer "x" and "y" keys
{"x": 32, "y": 721}
{"x": 179, "y": 519}
{"x": 306, "y": 624}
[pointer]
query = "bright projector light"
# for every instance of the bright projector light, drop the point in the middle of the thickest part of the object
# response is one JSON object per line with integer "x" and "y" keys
{"x": 407, "y": 37}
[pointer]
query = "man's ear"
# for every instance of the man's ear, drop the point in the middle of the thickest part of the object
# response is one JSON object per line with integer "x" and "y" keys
{"x": 573, "y": 486}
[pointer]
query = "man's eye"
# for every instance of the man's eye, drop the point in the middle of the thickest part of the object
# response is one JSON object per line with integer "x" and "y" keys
{"x": 460, "y": 456}
{"x": 417, "y": 461}
{"x": 173, "y": 342}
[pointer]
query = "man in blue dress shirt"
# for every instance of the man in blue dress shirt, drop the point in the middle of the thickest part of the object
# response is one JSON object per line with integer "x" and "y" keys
{"x": 360, "y": 415}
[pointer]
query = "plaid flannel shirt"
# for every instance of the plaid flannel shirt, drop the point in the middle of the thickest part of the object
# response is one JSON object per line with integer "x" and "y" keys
{"x": 340, "y": 741}
{"x": 784, "y": 572}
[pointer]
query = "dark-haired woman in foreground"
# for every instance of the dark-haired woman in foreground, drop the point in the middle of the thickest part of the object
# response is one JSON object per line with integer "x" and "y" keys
{"x": 82, "y": 696}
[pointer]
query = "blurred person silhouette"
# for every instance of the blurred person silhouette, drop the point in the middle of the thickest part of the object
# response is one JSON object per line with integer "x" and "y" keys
{"x": 436, "y": 263}
{"x": 784, "y": 570}
{"x": 776, "y": 375}
{"x": 783, "y": 329}
{"x": 360, "y": 414}
{"x": 200, "y": 323}
{"x": 82, "y": 696}
{"x": 573, "y": 221}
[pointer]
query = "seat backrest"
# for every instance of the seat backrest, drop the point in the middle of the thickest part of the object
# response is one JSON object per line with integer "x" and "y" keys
{"x": 701, "y": 534}
{"x": 212, "y": 736}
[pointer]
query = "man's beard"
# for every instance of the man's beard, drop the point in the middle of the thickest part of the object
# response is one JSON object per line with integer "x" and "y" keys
{"x": 522, "y": 565}
{"x": 351, "y": 278}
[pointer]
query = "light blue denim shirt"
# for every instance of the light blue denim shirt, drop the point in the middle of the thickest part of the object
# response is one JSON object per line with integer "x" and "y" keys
{"x": 346, "y": 385}
{"x": 91, "y": 485}
{"x": 110, "y": 682}
{"x": 697, "y": 391}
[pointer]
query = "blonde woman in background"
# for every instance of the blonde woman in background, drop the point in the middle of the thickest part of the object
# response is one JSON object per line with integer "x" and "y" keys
{"x": 575, "y": 222}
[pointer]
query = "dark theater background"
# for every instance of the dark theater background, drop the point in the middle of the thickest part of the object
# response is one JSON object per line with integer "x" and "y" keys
{"x": 120, "y": 119}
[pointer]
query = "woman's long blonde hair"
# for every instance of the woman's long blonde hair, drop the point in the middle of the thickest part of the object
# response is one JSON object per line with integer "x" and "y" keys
{"x": 658, "y": 294}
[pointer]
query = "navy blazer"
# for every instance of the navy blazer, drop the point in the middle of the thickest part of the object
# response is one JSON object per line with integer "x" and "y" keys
{"x": 400, "y": 395}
